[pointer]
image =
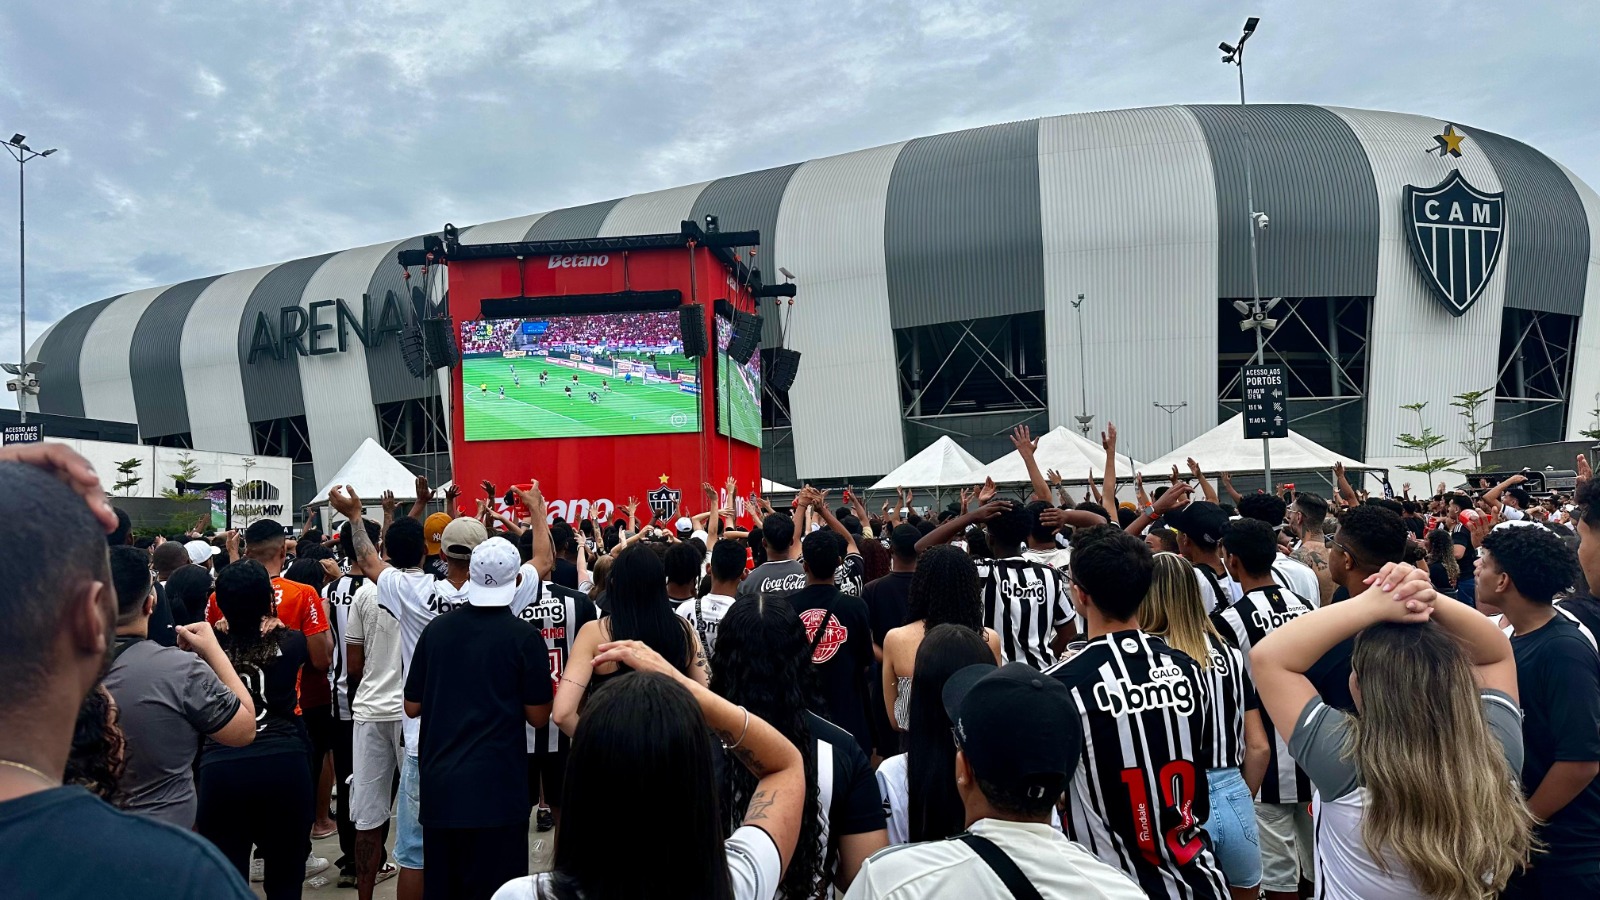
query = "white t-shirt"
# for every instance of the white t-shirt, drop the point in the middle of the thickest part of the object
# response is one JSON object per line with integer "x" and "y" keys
{"x": 1055, "y": 559}
{"x": 1298, "y": 577}
{"x": 892, "y": 784}
{"x": 378, "y": 697}
{"x": 408, "y": 595}
{"x": 1054, "y": 865}
{"x": 754, "y": 867}
{"x": 712, "y": 608}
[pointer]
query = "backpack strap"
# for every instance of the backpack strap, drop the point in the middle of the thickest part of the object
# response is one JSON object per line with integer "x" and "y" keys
{"x": 1015, "y": 881}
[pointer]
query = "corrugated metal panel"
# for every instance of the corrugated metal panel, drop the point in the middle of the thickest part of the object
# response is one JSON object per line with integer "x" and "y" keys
{"x": 750, "y": 202}
{"x": 386, "y": 367}
{"x": 156, "y": 361}
{"x": 1585, "y": 389}
{"x": 656, "y": 212}
{"x": 1547, "y": 250}
{"x": 103, "y": 366}
{"x": 829, "y": 232}
{"x": 272, "y": 386}
{"x": 209, "y": 357}
{"x": 961, "y": 228}
{"x": 1417, "y": 350}
{"x": 1129, "y": 214}
{"x": 571, "y": 223}
{"x": 1316, "y": 187}
{"x": 502, "y": 232}
{"x": 30, "y": 402}
{"x": 60, "y": 390}
{"x": 336, "y": 389}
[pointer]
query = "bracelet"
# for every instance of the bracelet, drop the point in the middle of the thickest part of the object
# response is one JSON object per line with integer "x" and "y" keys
{"x": 742, "y": 733}
{"x": 578, "y": 683}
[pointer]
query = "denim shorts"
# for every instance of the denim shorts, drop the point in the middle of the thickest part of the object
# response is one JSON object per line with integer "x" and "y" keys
{"x": 1232, "y": 826}
{"x": 408, "y": 822}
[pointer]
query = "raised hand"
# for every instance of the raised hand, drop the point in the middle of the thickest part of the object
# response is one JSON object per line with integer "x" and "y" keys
{"x": 1581, "y": 466}
{"x": 1022, "y": 438}
{"x": 390, "y": 504}
{"x": 966, "y": 497}
{"x": 488, "y": 487}
{"x": 344, "y": 501}
{"x": 1194, "y": 467}
{"x": 1053, "y": 477}
{"x": 1108, "y": 438}
{"x": 1176, "y": 478}
{"x": 991, "y": 509}
{"x": 1479, "y": 527}
{"x": 424, "y": 492}
{"x": 450, "y": 495}
{"x": 1338, "y": 470}
{"x": 1175, "y": 496}
{"x": 987, "y": 491}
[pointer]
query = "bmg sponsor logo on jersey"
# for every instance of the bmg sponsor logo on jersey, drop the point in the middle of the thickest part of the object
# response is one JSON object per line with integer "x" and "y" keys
{"x": 1270, "y": 619}
{"x": 552, "y": 613}
{"x": 1027, "y": 591}
{"x": 1167, "y": 688}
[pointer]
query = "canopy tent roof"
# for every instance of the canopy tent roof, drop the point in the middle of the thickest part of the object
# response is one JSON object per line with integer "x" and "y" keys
{"x": 1062, "y": 449}
{"x": 1224, "y": 449}
{"x": 371, "y": 471}
{"x": 940, "y": 464}
{"x": 768, "y": 486}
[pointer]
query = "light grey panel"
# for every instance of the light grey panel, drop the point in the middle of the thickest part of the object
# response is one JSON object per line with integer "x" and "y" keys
{"x": 209, "y": 354}
{"x": 1315, "y": 185}
{"x": 30, "y": 402}
{"x": 272, "y": 386}
{"x": 571, "y": 223}
{"x": 1130, "y": 221}
{"x": 749, "y": 202}
{"x": 156, "y": 361}
{"x": 830, "y": 234}
{"x": 103, "y": 365}
{"x": 60, "y": 391}
{"x": 1547, "y": 232}
{"x": 655, "y": 212}
{"x": 385, "y": 364}
{"x": 1586, "y": 355}
{"x": 503, "y": 231}
{"x": 961, "y": 231}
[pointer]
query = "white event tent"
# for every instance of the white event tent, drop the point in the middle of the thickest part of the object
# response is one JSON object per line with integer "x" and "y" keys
{"x": 1224, "y": 449}
{"x": 768, "y": 486}
{"x": 940, "y": 464}
{"x": 1064, "y": 450}
{"x": 371, "y": 471}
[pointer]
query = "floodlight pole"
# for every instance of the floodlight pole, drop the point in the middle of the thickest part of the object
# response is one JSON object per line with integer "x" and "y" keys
{"x": 1237, "y": 58}
{"x": 23, "y": 155}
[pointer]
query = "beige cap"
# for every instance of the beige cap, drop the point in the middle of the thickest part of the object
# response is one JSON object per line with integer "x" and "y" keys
{"x": 461, "y": 536}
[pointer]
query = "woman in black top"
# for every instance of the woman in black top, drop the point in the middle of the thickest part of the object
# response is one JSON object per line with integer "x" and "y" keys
{"x": 260, "y": 793}
{"x": 1443, "y": 569}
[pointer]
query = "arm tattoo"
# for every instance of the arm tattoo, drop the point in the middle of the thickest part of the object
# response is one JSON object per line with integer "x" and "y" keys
{"x": 1312, "y": 558}
{"x": 759, "y": 804}
{"x": 361, "y": 542}
{"x": 743, "y": 754}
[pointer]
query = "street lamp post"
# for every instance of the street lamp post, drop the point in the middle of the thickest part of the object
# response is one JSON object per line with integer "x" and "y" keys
{"x": 1083, "y": 417}
{"x": 27, "y": 381}
{"x": 1234, "y": 54}
{"x": 1170, "y": 409}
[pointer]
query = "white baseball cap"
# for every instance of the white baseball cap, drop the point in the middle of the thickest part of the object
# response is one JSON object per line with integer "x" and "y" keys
{"x": 685, "y": 524}
{"x": 200, "y": 551}
{"x": 494, "y": 573}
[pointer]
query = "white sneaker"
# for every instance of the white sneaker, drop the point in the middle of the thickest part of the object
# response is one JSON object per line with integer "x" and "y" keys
{"x": 257, "y": 872}
{"x": 315, "y": 864}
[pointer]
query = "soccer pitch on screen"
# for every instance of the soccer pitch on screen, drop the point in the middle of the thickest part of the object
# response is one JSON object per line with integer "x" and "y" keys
{"x": 505, "y": 399}
{"x": 738, "y": 391}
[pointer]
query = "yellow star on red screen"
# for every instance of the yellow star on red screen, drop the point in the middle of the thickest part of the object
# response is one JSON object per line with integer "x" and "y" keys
{"x": 1450, "y": 141}
{"x": 663, "y": 479}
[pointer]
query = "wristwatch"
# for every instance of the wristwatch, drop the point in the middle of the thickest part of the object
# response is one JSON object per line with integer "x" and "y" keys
{"x": 1149, "y": 511}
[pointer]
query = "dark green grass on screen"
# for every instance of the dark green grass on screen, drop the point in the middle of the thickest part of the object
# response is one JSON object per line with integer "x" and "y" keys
{"x": 531, "y": 411}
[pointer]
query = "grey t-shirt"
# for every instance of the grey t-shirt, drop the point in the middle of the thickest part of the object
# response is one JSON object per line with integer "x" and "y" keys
{"x": 167, "y": 699}
{"x": 779, "y": 578}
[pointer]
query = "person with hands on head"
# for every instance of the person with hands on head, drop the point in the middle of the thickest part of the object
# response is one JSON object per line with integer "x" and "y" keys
{"x": 675, "y": 824}
{"x": 944, "y": 590}
{"x": 1417, "y": 795}
{"x": 299, "y": 607}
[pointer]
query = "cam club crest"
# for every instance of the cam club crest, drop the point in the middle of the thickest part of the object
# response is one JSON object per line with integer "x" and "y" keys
{"x": 664, "y": 499}
{"x": 1455, "y": 232}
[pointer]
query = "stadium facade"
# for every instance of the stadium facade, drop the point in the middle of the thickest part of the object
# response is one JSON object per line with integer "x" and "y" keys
{"x": 1416, "y": 258}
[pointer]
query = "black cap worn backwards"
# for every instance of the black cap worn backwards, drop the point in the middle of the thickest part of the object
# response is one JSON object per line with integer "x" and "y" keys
{"x": 1201, "y": 519}
{"x": 1016, "y": 726}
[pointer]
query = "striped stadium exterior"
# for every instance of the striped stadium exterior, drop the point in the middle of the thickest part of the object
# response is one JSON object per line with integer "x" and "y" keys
{"x": 1143, "y": 211}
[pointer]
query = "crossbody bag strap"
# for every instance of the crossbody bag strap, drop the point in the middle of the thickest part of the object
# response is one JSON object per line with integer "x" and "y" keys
{"x": 822, "y": 628}
{"x": 1016, "y": 882}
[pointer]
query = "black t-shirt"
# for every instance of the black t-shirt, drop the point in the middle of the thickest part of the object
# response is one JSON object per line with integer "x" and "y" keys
{"x": 1468, "y": 562}
{"x": 888, "y": 598}
{"x": 274, "y": 692}
{"x": 162, "y": 628}
{"x": 851, "y": 803}
{"x": 1330, "y": 675}
{"x": 565, "y": 573}
{"x": 65, "y": 842}
{"x": 843, "y": 655}
{"x": 1558, "y": 677}
{"x": 473, "y": 672}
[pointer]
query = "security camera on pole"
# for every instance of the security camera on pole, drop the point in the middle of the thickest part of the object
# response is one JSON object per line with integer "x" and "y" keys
{"x": 1256, "y": 312}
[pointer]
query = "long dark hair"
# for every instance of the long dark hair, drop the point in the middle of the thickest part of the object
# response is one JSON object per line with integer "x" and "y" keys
{"x": 640, "y": 611}
{"x": 945, "y": 589}
{"x": 763, "y": 665}
{"x": 98, "y": 756}
{"x": 934, "y": 811}
{"x": 642, "y": 816}
{"x": 874, "y": 558}
{"x": 244, "y": 596}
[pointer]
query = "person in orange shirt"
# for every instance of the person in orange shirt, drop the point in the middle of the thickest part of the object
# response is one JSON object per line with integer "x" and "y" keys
{"x": 296, "y": 605}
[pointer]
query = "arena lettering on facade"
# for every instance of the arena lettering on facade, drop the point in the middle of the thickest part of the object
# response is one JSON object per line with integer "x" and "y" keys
{"x": 309, "y": 330}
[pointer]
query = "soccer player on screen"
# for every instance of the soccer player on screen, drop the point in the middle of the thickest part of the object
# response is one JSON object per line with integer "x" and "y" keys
{"x": 593, "y": 397}
{"x": 605, "y": 385}
{"x": 569, "y": 393}
{"x": 502, "y": 392}
{"x": 516, "y": 380}
{"x": 544, "y": 378}
{"x": 627, "y": 378}
{"x": 484, "y": 388}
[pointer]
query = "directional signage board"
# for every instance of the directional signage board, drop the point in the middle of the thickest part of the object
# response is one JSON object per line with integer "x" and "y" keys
{"x": 1266, "y": 402}
{"x": 30, "y": 433}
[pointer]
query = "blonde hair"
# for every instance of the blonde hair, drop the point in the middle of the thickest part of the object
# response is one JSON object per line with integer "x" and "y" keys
{"x": 600, "y": 574}
{"x": 1440, "y": 797}
{"x": 1173, "y": 609}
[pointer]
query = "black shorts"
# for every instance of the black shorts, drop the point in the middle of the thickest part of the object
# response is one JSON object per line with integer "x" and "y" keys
{"x": 551, "y": 770}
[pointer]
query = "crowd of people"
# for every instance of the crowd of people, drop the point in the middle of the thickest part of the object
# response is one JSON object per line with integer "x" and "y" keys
{"x": 645, "y": 331}
{"x": 1196, "y": 694}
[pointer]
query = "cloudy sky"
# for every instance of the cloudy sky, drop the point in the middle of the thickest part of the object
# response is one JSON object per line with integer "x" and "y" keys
{"x": 204, "y": 136}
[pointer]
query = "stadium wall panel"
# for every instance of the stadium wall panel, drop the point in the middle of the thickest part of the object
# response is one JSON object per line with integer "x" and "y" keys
{"x": 655, "y": 212}
{"x": 571, "y": 223}
{"x": 391, "y": 381}
{"x": 750, "y": 202}
{"x": 829, "y": 232}
{"x": 61, "y": 349}
{"x": 213, "y": 386}
{"x": 1129, "y": 219}
{"x": 104, "y": 365}
{"x": 504, "y": 231}
{"x": 1586, "y": 355}
{"x": 272, "y": 388}
{"x": 156, "y": 360}
{"x": 1547, "y": 252}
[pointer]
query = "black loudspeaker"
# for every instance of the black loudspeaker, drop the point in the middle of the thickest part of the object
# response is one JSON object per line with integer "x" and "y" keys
{"x": 746, "y": 337}
{"x": 412, "y": 349}
{"x": 440, "y": 341}
{"x": 785, "y": 366}
{"x": 692, "y": 329}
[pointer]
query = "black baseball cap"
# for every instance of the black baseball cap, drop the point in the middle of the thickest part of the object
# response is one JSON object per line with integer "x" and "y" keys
{"x": 262, "y": 530}
{"x": 1201, "y": 519}
{"x": 1016, "y": 726}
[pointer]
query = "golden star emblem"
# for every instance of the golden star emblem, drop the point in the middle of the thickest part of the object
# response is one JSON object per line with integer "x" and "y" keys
{"x": 663, "y": 479}
{"x": 1450, "y": 141}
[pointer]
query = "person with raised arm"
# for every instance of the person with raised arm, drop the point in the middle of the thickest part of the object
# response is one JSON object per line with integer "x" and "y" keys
{"x": 1200, "y": 479}
{"x": 1108, "y": 442}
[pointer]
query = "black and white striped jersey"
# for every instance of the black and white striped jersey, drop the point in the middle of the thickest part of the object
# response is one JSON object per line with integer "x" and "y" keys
{"x": 558, "y": 612}
{"x": 1024, "y": 602}
{"x": 1140, "y": 796}
{"x": 1257, "y": 614}
{"x": 1233, "y": 693}
{"x": 339, "y": 596}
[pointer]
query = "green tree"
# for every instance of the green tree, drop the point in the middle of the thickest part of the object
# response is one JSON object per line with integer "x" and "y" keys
{"x": 188, "y": 470}
{"x": 129, "y": 480}
{"x": 1593, "y": 431}
{"x": 1478, "y": 432}
{"x": 1425, "y": 443}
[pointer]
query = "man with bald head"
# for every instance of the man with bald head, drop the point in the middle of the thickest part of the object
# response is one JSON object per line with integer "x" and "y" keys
{"x": 57, "y": 619}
